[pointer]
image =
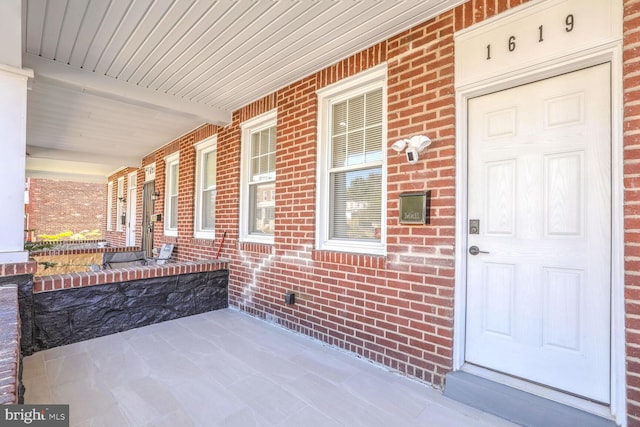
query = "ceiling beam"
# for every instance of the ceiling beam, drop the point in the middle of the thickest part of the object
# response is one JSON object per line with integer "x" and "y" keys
{"x": 108, "y": 87}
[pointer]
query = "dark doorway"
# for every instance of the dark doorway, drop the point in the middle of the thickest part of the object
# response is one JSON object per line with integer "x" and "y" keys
{"x": 148, "y": 209}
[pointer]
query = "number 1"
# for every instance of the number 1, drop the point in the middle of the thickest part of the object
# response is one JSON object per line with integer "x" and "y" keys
{"x": 540, "y": 39}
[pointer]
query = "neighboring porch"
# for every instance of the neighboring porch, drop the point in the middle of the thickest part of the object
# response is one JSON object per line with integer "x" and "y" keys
{"x": 225, "y": 368}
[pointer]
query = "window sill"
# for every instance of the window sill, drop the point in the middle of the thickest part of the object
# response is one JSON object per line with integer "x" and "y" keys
{"x": 350, "y": 247}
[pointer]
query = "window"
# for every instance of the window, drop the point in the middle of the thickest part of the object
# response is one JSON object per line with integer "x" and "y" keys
{"x": 205, "y": 214}
{"x": 109, "y": 206}
{"x": 171, "y": 195}
{"x": 352, "y": 164}
{"x": 120, "y": 204}
{"x": 257, "y": 203}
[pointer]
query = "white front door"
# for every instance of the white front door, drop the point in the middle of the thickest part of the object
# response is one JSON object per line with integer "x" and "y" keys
{"x": 538, "y": 300}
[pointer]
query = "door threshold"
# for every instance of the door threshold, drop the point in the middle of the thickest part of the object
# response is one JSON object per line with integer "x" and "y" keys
{"x": 516, "y": 405}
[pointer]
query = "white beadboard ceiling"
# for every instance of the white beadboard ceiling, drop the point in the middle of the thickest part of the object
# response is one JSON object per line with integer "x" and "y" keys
{"x": 116, "y": 79}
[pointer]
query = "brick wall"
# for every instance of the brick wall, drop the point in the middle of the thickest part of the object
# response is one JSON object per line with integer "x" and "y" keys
{"x": 396, "y": 309}
{"x": 631, "y": 128}
{"x": 57, "y": 206}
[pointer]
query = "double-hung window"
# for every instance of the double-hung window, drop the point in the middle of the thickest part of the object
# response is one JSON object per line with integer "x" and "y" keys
{"x": 257, "y": 202}
{"x": 110, "y": 206}
{"x": 351, "y": 203}
{"x": 171, "y": 195}
{"x": 205, "y": 204}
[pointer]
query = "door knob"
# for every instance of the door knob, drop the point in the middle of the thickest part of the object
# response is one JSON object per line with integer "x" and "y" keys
{"x": 474, "y": 250}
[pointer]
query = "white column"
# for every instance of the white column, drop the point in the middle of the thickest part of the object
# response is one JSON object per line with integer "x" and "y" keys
{"x": 13, "y": 133}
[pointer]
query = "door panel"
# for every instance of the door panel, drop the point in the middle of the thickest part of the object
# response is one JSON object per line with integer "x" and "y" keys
{"x": 538, "y": 303}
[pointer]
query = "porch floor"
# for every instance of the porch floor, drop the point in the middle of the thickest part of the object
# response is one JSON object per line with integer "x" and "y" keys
{"x": 225, "y": 368}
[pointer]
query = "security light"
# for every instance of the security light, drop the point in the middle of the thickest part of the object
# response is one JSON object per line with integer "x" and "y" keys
{"x": 399, "y": 145}
{"x": 414, "y": 146}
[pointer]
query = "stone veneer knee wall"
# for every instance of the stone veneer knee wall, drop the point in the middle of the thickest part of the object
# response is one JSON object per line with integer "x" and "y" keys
{"x": 74, "y": 307}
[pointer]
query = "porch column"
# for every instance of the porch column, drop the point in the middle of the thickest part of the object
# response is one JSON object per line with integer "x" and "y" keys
{"x": 13, "y": 122}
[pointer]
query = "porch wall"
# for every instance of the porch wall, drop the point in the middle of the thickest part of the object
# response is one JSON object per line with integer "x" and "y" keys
{"x": 395, "y": 309}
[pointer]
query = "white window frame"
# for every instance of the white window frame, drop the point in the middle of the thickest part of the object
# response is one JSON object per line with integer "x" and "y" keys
{"x": 109, "y": 206}
{"x": 263, "y": 121}
{"x": 132, "y": 186}
{"x": 170, "y": 161}
{"x": 202, "y": 149}
{"x": 366, "y": 81}
{"x": 120, "y": 204}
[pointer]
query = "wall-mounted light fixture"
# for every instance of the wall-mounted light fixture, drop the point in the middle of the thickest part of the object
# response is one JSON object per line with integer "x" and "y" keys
{"x": 155, "y": 195}
{"x": 122, "y": 200}
{"x": 414, "y": 146}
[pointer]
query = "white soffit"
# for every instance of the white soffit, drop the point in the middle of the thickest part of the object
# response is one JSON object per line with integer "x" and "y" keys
{"x": 163, "y": 67}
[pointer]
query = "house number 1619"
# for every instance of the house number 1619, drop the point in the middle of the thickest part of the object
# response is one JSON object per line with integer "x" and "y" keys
{"x": 569, "y": 23}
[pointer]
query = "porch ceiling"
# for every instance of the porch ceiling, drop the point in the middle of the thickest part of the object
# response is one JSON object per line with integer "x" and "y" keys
{"x": 116, "y": 79}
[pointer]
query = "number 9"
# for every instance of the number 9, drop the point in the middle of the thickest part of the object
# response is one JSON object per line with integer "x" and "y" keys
{"x": 568, "y": 23}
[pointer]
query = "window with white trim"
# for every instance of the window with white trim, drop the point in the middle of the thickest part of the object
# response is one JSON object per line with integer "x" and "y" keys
{"x": 205, "y": 203}
{"x": 109, "y": 205}
{"x": 258, "y": 182}
{"x": 171, "y": 195}
{"x": 120, "y": 204}
{"x": 351, "y": 203}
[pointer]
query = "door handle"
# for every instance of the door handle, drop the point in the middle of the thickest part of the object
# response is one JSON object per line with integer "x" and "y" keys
{"x": 474, "y": 250}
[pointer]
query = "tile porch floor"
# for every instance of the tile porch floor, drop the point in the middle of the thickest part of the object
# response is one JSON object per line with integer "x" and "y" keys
{"x": 225, "y": 368}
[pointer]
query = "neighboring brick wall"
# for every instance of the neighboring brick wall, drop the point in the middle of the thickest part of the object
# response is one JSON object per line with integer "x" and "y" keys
{"x": 57, "y": 206}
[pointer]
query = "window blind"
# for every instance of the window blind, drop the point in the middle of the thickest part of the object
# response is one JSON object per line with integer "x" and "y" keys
{"x": 356, "y": 167}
